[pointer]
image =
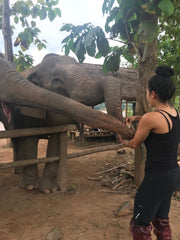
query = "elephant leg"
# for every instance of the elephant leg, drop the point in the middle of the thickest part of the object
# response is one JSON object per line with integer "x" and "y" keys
{"x": 49, "y": 180}
{"x": 24, "y": 149}
{"x": 16, "y": 153}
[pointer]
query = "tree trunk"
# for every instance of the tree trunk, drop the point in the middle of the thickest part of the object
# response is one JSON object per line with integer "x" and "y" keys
{"x": 146, "y": 70}
{"x": 7, "y": 31}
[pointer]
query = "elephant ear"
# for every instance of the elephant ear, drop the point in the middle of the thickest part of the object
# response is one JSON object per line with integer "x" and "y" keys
{"x": 33, "y": 77}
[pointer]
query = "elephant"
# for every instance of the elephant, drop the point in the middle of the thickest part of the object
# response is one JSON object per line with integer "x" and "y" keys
{"x": 18, "y": 93}
{"x": 85, "y": 83}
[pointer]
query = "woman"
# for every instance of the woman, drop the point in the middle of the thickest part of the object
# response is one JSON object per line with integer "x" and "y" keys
{"x": 160, "y": 131}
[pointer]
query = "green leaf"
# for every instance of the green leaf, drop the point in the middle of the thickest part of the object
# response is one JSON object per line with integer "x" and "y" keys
{"x": 24, "y": 10}
{"x": 105, "y": 6}
{"x": 78, "y": 45}
{"x": 26, "y": 37}
{"x": 68, "y": 45}
{"x": 35, "y": 31}
{"x": 33, "y": 24}
{"x": 166, "y": 7}
{"x": 98, "y": 55}
{"x": 67, "y": 50}
{"x": 89, "y": 37}
{"x": 111, "y": 2}
{"x": 39, "y": 46}
{"x": 128, "y": 57}
{"x": 119, "y": 15}
{"x": 80, "y": 50}
{"x": 103, "y": 45}
{"x": 57, "y": 12}
{"x": 111, "y": 18}
{"x": 36, "y": 41}
{"x": 16, "y": 19}
{"x": 66, "y": 39}
{"x": 51, "y": 15}
{"x": 34, "y": 12}
{"x": 42, "y": 13}
{"x": 80, "y": 29}
{"x": 53, "y": 2}
{"x": 67, "y": 27}
{"x": 23, "y": 48}
{"x": 111, "y": 63}
{"x": 41, "y": 1}
{"x": 120, "y": 28}
{"x": 91, "y": 50}
{"x": 81, "y": 54}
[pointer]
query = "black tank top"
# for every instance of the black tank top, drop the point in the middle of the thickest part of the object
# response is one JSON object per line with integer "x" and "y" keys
{"x": 162, "y": 148}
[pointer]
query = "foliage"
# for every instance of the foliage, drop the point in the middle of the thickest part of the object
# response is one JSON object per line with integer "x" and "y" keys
{"x": 22, "y": 61}
{"x": 25, "y": 13}
{"x": 84, "y": 39}
{"x": 129, "y": 22}
{"x": 1, "y": 2}
{"x": 169, "y": 43}
{"x": 176, "y": 103}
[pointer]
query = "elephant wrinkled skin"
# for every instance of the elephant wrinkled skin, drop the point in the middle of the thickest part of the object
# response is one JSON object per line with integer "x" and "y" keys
{"x": 49, "y": 90}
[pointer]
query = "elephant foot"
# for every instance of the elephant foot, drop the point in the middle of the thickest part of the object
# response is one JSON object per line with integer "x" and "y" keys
{"x": 30, "y": 183}
{"x": 29, "y": 187}
{"x": 48, "y": 185}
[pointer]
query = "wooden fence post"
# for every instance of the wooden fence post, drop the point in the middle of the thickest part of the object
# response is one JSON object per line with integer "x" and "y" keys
{"x": 63, "y": 161}
{"x": 81, "y": 135}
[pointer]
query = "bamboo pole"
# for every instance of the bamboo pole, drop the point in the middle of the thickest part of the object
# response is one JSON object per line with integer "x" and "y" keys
{"x": 23, "y": 163}
{"x": 95, "y": 150}
{"x": 52, "y": 159}
{"x": 36, "y": 131}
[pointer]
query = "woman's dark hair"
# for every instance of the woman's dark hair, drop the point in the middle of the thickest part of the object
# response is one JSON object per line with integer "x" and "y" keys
{"x": 162, "y": 84}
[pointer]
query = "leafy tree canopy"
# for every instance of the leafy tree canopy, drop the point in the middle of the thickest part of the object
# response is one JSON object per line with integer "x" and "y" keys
{"x": 129, "y": 22}
{"x": 169, "y": 42}
{"x": 26, "y": 13}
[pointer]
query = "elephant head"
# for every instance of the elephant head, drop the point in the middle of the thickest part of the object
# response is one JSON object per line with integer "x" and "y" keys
{"x": 63, "y": 75}
{"x": 18, "y": 90}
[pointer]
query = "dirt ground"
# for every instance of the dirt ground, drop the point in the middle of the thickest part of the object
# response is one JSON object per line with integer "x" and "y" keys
{"x": 86, "y": 213}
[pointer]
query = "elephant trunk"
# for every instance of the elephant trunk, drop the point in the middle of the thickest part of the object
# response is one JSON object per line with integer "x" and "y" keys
{"x": 18, "y": 90}
{"x": 113, "y": 97}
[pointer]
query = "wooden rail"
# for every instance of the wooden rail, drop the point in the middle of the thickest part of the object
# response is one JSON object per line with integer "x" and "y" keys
{"x": 63, "y": 156}
{"x": 36, "y": 131}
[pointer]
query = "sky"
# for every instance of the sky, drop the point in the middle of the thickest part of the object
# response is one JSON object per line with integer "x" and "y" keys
{"x": 76, "y": 12}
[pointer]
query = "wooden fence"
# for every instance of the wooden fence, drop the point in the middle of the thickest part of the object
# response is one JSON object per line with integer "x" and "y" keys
{"x": 63, "y": 156}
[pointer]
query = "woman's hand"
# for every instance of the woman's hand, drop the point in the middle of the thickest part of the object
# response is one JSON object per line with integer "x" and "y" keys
{"x": 120, "y": 139}
{"x": 144, "y": 127}
{"x": 129, "y": 120}
{"x": 125, "y": 142}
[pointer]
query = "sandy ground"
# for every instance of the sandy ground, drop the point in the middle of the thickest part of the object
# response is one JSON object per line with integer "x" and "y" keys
{"x": 83, "y": 214}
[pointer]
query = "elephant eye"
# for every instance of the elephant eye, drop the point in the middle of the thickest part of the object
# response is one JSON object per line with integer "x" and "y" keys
{"x": 58, "y": 80}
